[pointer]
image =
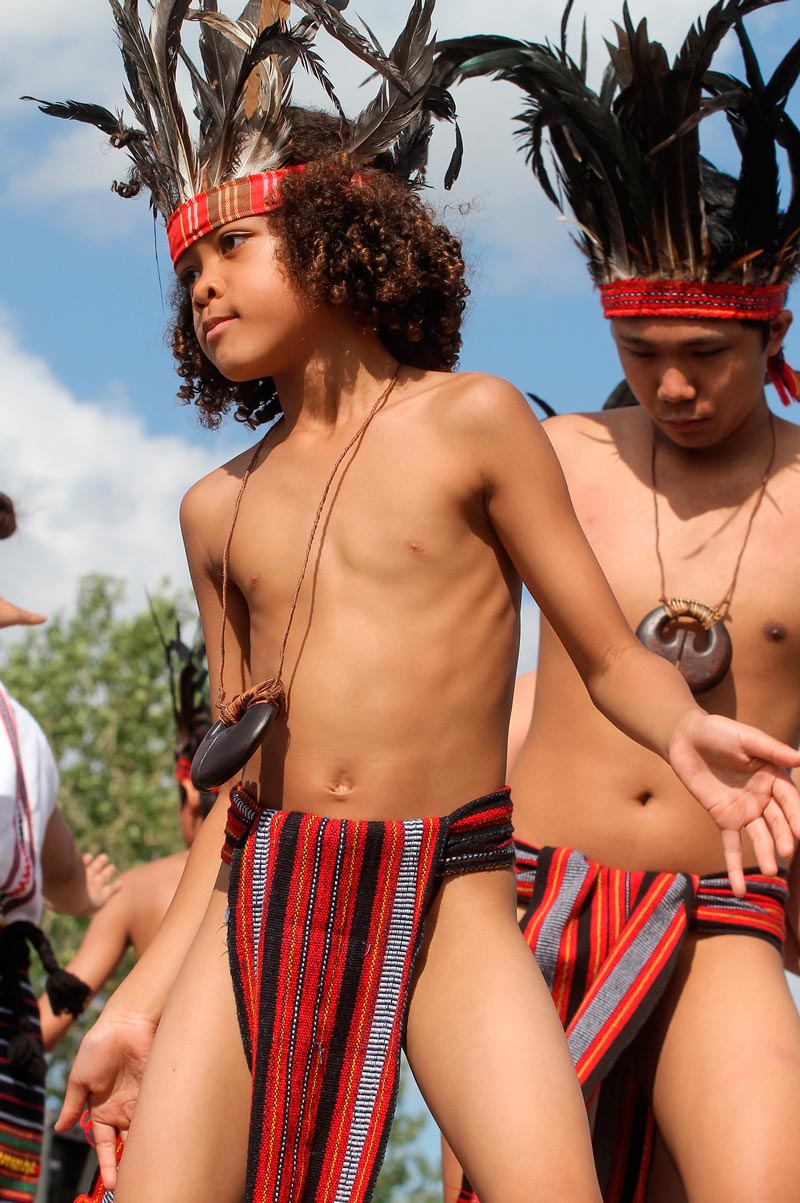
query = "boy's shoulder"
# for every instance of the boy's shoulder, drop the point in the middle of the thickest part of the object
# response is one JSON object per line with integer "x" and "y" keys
{"x": 473, "y": 399}
{"x": 217, "y": 488}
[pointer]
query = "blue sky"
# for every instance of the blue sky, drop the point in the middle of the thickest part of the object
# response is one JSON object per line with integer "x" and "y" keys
{"x": 94, "y": 445}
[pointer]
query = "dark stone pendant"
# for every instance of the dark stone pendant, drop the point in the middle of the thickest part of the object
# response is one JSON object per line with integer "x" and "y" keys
{"x": 226, "y": 750}
{"x": 701, "y": 651}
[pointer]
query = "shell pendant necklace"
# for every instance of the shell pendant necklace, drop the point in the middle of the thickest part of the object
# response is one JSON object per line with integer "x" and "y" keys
{"x": 688, "y": 633}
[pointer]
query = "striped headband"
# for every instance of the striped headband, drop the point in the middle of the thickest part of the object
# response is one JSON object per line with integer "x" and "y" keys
{"x": 696, "y": 298}
{"x": 692, "y": 298}
{"x": 249, "y": 196}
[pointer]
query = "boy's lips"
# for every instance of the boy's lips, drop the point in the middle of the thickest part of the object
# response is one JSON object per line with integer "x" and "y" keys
{"x": 212, "y": 324}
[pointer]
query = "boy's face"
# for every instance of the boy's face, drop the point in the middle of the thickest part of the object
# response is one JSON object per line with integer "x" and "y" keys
{"x": 249, "y": 319}
{"x": 698, "y": 380}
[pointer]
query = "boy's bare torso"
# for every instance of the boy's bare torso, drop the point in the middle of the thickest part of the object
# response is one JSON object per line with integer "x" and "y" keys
{"x": 578, "y": 781}
{"x": 399, "y": 666}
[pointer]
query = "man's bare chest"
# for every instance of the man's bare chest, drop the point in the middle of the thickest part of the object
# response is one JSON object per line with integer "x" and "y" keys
{"x": 705, "y": 555}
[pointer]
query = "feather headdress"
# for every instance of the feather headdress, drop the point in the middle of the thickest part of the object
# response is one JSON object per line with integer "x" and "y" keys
{"x": 242, "y": 89}
{"x": 189, "y": 690}
{"x": 664, "y": 232}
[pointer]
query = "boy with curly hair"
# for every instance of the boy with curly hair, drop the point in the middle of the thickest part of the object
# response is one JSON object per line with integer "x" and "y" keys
{"x": 374, "y": 539}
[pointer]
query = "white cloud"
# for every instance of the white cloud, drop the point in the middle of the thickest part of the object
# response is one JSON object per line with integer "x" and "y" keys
{"x": 94, "y": 491}
{"x": 49, "y": 44}
{"x": 529, "y": 635}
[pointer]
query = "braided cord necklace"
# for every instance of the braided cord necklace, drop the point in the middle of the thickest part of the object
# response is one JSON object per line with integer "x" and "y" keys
{"x": 244, "y": 721}
{"x": 703, "y": 660}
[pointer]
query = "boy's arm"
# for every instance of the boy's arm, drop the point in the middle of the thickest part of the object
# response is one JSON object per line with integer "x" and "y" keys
{"x": 113, "y": 1054}
{"x": 102, "y": 948}
{"x": 73, "y": 884}
{"x": 737, "y": 773}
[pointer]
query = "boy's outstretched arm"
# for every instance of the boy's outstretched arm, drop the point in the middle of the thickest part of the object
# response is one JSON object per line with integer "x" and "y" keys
{"x": 102, "y": 948}
{"x": 737, "y": 773}
{"x": 112, "y": 1056}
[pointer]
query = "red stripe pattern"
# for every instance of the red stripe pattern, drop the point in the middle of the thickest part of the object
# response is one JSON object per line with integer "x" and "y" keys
{"x": 326, "y": 917}
{"x": 21, "y": 1104}
{"x": 692, "y": 298}
{"x": 249, "y": 196}
{"x": 607, "y": 942}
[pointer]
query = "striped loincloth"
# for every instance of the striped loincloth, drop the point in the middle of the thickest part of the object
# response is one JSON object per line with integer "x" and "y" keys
{"x": 21, "y": 1099}
{"x": 607, "y": 942}
{"x": 326, "y": 917}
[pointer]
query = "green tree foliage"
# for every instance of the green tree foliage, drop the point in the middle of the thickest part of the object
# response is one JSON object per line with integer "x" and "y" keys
{"x": 408, "y": 1174}
{"x": 96, "y": 680}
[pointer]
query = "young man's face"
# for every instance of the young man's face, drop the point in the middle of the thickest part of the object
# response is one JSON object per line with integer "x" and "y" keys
{"x": 249, "y": 320}
{"x": 698, "y": 380}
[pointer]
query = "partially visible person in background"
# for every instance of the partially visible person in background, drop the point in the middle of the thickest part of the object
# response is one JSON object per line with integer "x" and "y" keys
{"x": 38, "y": 860}
{"x": 134, "y": 915}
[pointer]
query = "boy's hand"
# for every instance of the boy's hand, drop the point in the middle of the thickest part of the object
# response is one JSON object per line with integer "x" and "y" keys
{"x": 105, "y": 1078}
{"x": 15, "y": 616}
{"x": 741, "y": 777}
{"x": 101, "y": 884}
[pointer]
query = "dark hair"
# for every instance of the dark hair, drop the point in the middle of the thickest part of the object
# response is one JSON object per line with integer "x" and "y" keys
{"x": 370, "y": 244}
{"x": 8, "y": 517}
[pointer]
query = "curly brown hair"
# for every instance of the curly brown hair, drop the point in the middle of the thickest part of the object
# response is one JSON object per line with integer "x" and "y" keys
{"x": 8, "y": 517}
{"x": 370, "y": 244}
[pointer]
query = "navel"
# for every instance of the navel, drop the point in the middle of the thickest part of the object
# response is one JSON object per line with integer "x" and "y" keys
{"x": 775, "y": 632}
{"x": 415, "y": 545}
{"x": 644, "y": 797}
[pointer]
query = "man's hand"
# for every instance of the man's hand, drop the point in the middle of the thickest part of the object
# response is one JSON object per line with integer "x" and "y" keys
{"x": 15, "y": 616}
{"x": 742, "y": 778}
{"x": 101, "y": 883}
{"x": 105, "y": 1078}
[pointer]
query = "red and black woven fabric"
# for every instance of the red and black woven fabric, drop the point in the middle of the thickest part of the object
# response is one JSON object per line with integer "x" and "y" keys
{"x": 249, "y": 196}
{"x": 326, "y": 917}
{"x": 21, "y": 1096}
{"x": 607, "y": 942}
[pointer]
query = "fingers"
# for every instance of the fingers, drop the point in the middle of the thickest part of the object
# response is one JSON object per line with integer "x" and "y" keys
{"x": 763, "y": 846}
{"x": 732, "y": 847}
{"x": 73, "y": 1106}
{"x": 779, "y": 827}
{"x": 764, "y": 747}
{"x": 785, "y": 794}
{"x": 105, "y": 1140}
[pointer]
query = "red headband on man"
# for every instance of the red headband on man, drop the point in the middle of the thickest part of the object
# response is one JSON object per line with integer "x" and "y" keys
{"x": 249, "y": 196}
{"x": 700, "y": 299}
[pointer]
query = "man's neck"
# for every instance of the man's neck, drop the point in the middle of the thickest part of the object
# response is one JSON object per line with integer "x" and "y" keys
{"x": 735, "y": 453}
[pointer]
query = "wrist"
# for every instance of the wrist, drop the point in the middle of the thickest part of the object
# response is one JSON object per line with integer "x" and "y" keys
{"x": 682, "y": 729}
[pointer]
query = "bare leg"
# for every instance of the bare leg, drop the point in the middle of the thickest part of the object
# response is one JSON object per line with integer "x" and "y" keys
{"x": 488, "y": 1052}
{"x": 665, "y": 1185}
{"x": 188, "y": 1140}
{"x": 724, "y": 1052}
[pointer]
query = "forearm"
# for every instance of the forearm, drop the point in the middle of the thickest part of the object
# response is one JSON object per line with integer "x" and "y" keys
{"x": 643, "y": 695}
{"x": 54, "y": 1027}
{"x": 66, "y": 890}
{"x": 145, "y": 990}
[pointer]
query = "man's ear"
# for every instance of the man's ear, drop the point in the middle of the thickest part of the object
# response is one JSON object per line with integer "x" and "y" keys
{"x": 778, "y": 329}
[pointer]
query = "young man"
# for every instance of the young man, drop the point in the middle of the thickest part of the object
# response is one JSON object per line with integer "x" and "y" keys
{"x": 375, "y": 538}
{"x": 690, "y": 496}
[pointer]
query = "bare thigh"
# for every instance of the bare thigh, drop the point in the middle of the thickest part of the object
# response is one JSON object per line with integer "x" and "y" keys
{"x": 188, "y": 1139}
{"x": 723, "y": 1055}
{"x": 489, "y": 1054}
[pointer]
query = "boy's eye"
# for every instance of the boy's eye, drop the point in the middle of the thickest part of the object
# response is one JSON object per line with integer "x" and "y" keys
{"x": 229, "y": 242}
{"x": 709, "y": 352}
{"x": 188, "y": 278}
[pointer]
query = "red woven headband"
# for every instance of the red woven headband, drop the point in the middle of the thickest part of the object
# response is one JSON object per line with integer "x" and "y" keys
{"x": 694, "y": 298}
{"x": 247, "y": 197}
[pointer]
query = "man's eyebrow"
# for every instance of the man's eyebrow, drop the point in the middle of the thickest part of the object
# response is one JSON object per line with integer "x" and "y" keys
{"x": 702, "y": 340}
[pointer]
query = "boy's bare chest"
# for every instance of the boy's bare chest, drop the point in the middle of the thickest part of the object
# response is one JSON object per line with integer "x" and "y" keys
{"x": 384, "y": 522}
